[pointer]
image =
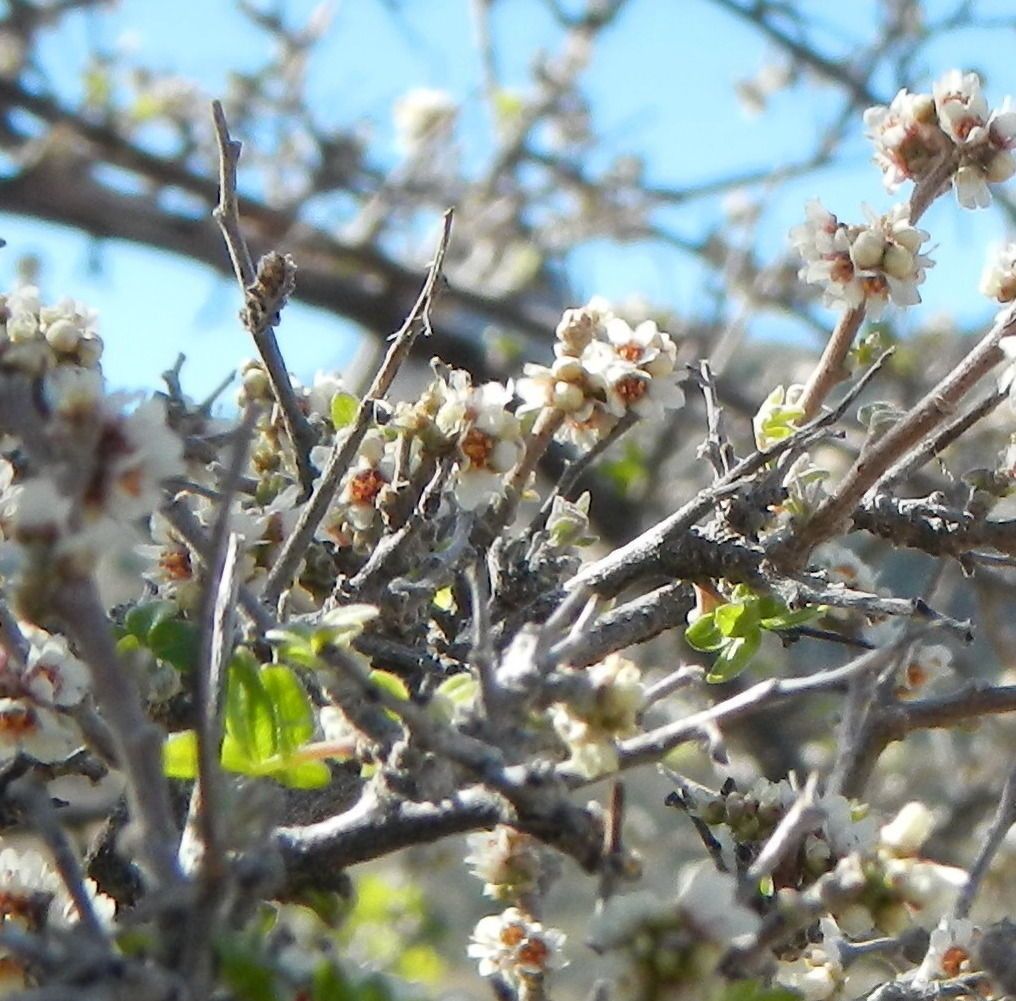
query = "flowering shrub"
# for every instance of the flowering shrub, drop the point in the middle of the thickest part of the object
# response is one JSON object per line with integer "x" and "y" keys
{"x": 246, "y": 648}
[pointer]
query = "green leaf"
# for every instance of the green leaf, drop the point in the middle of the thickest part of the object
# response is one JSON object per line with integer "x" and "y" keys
{"x": 737, "y": 620}
{"x": 790, "y": 620}
{"x": 291, "y": 708}
{"x": 734, "y": 657}
{"x": 304, "y": 775}
{"x": 180, "y": 755}
{"x": 141, "y": 619}
{"x": 391, "y": 683}
{"x": 703, "y": 634}
{"x": 176, "y": 642}
{"x": 343, "y": 409}
{"x": 459, "y": 689}
{"x": 250, "y": 720}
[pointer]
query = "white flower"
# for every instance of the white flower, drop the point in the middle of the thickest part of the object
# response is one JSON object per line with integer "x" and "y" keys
{"x": 421, "y": 115}
{"x": 135, "y": 452}
{"x": 927, "y": 663}
{"x": 513, "y": 945}
{"x": 907, "y": 138}
{"x": 928, "y": 888}
{"x": 53, "y": 675}
{"x": 867, "y": 265}
{"x": 817, "y": 974}
{"x": 908, "y": 830}
{"x": 489, "y": 439}
{"x": 362, "y": 485}
{"x": 950, "y": 949}
{"x": 590, "y": 726}
{"x": 846, "y": 831}
{"x": 998, "y": 280}
{"x": 73, "y": 393}
{"x": 984, "y": 140}
{"x": 32, "y": 888}
{"x": 29, "y": 728}
{"x": 961, "y": 106}
{"x": 844, "y": 566}
{"x": 321, "y": 393}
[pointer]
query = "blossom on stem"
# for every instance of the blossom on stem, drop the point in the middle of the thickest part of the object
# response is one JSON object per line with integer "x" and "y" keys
{"x": 917, "y": 131}
{"x": 514, "y": 945}
{"x": 998, "y": 280}
{"x": 870, "y": 265}
{"x": 507, "y": 860}
{"x": 487, "y": 434}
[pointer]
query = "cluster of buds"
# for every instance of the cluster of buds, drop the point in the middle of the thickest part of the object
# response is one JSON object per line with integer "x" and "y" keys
{"x": 604, "y": 369}
{"x": 870, "y": 265}
{"x": 917, "y": 131}
{"x": 35, "y": 339}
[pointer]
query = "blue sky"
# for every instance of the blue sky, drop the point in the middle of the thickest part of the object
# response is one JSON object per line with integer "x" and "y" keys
{"x": 660, "y": 85}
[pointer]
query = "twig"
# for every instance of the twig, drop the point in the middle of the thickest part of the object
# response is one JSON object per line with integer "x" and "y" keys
{"x": 216, "y": 617}
{"x": 914, "y": 460}
{"x": 654, "y": 744}
{"x": 344, "y": 451}
{"x": 716, "y": 446}
{"x": 266, "y": 290}
{"x": 31, "y": 797}
{"x": 878, "y": 456}
{"x": 611, "y": 573}
{"x": 574, "y": 470}
{"x": 482, "y": 655}
{"x": 830, "y": 369}
{"x": 138, "y": 741}
{"x": 1005, "y": 817}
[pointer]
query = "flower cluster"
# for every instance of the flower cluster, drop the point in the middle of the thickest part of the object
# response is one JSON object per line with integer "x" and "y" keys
{"x": 677, "y": 940}
{"x": 487, "y": 436}
{"x": 508, "y": 861}
{"x": 35, "y": 898}
{"x": 870, "y": 265}
{"x": 604, "y": 709}
{"x": 817, "y": 973}
{"x": 998, "y": 281}
{"x": 512, "y": 945}
{"x": 604, "y": 370}
{"x": 34, "y": 696}
{"x": 916, "y": 131}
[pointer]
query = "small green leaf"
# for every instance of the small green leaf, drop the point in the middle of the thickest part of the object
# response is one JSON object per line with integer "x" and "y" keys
{"x": 141, "y": 619}
{"x": 459, "y": 689}
{"x": 703, "y": 634}
{"x": 176, "y": 642}
{"x": 250, "y": 720}
{"x": 391, "y": 683}
{"x": 734, "y": 657}
{"x": 304, "y": 775}
{"x": 343, "y": 409}
{"x": 736, "y": 620}
{"x": 180, "y": 755}
{"x": 294, "y": 716}
{"x": 790, "y": 620}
